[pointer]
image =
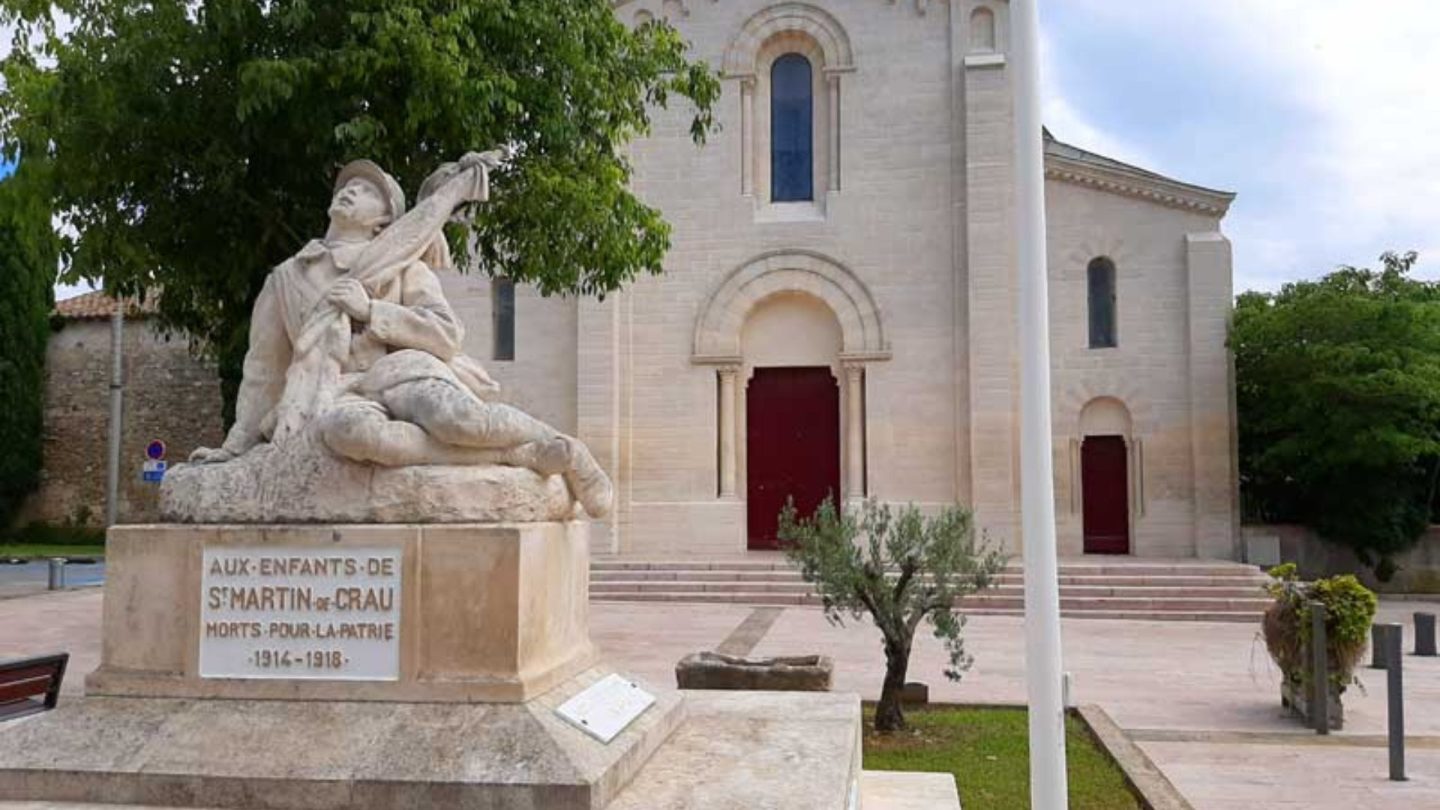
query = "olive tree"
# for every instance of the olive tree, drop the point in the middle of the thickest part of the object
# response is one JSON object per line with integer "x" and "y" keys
{"x": 901, "y": 569}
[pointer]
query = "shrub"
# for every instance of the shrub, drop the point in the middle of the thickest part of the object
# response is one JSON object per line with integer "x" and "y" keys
{"x": 1349, "y": 611}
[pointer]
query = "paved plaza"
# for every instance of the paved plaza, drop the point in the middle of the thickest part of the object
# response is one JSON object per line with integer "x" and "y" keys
{"x": 1200, "y": 699}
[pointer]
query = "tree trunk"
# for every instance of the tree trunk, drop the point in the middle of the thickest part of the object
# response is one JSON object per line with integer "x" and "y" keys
{"x": 888, "y": 716}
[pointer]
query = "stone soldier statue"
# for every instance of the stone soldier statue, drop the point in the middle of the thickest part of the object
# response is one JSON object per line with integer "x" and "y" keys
{"x": 354, "y": 347}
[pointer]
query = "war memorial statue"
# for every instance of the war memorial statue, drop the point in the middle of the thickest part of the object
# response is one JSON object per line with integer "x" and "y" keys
{"x": 375, "y": 593}
{"x": 356, "y": 363}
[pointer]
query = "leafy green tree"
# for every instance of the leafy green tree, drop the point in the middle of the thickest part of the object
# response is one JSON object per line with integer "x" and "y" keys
{"x": 1338, "y": 386}
{"x": 901, "y": 569}
{"x": 194, "y": 141}
{"x": 28, "y": 263}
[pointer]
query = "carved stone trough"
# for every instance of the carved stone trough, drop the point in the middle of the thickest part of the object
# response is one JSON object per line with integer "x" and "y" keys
{"x": 709, "y": 670}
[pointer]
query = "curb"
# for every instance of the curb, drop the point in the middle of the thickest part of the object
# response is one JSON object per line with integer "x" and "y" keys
{"x": 1156, "y": 791}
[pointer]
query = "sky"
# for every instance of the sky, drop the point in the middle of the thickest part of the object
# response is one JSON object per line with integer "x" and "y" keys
{"x": 1323, "y": 115}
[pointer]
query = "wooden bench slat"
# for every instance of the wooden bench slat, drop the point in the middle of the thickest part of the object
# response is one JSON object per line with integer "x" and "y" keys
{"x": 25, "y": 673}
{"x": 33, "y": 687}
{"x": 30, "y": 685}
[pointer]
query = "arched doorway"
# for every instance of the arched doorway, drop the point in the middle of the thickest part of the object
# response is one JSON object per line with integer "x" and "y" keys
{"x": 792, "y": 447}
{"x": 791, "y": 346}
{"x": 789, "y": 310}
{"x": 1105, "y": 476}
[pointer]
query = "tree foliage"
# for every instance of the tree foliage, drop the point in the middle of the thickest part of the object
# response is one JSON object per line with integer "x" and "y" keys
{"x": 27, "y": 280}
{"x": 194, "y": 141}
{"x": 1338, "y": 386}
{"x": 899, "y": 568}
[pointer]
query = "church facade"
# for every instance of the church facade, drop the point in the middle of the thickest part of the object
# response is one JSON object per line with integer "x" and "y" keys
{"x": 838, "y": 309}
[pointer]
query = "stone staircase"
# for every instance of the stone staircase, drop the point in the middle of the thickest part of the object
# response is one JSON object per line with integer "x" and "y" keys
{"x": 1174, "y": 590}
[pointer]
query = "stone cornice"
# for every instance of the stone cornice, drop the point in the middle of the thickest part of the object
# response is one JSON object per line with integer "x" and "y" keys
{"x": 921, "y": 6}
{"x": 1151, "y": 188}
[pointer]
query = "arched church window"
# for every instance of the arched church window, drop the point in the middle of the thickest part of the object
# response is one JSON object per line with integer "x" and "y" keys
{"x": 502, "y": 300}
{"x": 792, "y": 130}
{"x": 1102, "y": 303}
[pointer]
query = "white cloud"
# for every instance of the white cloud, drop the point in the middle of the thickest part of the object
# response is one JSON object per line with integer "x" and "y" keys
{"x": 1071, "y": 124}
{"x": 1361, "y": 173}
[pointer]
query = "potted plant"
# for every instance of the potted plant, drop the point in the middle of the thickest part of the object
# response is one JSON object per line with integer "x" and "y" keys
{"x": 1349, "y": 612}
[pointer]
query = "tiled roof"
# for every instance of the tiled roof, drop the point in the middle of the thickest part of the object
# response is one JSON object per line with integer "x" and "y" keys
{"x": 1076, "y": 165}
{"x": 98, "y": 305}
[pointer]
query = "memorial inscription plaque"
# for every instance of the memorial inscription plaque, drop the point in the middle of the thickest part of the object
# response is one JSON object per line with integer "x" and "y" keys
{"x": 300, "y": 614}
{"x": 606, "y": 707}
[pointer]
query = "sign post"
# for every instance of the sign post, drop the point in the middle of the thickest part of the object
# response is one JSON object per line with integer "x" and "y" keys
{"x": 155, "y": 464}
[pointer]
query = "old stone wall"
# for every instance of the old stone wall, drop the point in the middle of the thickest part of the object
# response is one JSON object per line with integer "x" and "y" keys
{"x": 1419, "y": 568}
{"x": 169, "y": 395}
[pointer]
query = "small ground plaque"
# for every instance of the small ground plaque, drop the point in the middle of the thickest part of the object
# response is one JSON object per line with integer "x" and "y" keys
{"x": 607, "y": 707}
{"x": 300, "y": 614}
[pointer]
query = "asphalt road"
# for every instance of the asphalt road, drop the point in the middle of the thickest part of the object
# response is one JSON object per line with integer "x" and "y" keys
{"x": 38, "y": 572}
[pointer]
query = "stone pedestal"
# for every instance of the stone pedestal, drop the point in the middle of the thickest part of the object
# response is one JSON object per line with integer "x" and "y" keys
{"x": 488, "y": 613}
{"x": 477, "y": 636}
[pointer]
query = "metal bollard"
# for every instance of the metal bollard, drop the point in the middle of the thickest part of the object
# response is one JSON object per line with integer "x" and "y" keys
{"x": 1320, "y": 670}
{"x": 57, "y": 573}
{"x": 1380, "y": 639}
{"x": 1395, "y": 662}
{"x": 1425, "y": 634}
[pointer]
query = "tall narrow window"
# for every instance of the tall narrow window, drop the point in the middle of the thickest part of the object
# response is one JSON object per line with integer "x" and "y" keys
{"x": 502, "y": 299}
{"x": 792, "y": 130}
{"x": 1102, "y": 304}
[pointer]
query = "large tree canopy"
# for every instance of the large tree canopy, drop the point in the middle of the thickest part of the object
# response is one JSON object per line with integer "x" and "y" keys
{"x": 194, "y": 141}
{"x": 1338, "y": 385}
{"x": 27, "y": 279}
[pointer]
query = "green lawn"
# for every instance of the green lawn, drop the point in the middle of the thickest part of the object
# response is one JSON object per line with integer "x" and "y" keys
{"x": 988, "y": 752}
{"x": 29, "y": 550}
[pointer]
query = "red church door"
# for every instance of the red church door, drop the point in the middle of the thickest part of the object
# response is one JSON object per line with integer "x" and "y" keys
{"x": 1105, "y": 486}
{"x": 792, "y": 446}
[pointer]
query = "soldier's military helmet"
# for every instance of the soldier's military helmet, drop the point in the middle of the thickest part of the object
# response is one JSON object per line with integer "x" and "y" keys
{"x": 389, "y": 189}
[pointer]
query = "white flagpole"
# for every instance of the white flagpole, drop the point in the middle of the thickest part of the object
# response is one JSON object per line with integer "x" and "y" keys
{"x": 1048, "y": 789}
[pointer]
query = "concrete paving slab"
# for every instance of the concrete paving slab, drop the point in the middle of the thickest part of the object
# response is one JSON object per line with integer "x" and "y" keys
{"x": 811, "y": 760}
{"x": 1149, "y": 676}
{"x": 1227, "y": 776}
{"x": 1146, "y": 674}
{"x": 891, "y": 790}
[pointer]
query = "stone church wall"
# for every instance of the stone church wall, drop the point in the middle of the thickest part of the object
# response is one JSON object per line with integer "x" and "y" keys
{"x": 888, "y": 224}
{"x": 1152, "y": 371}
{"x": 169, "y": 395}
{"x": 541, "y": 379}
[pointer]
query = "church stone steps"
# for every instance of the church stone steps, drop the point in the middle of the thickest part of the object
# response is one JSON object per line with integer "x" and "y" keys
{"x": 1086, "y": 568}
{"x": 599, "y": 587}
{"x": 1142, "y": 590}
{"x": 1217, "y": 610}
{"x": 794, "y": 575}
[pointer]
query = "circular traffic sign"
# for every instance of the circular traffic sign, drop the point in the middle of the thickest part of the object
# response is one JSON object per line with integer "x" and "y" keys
{"x": 155, "y": 451}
